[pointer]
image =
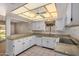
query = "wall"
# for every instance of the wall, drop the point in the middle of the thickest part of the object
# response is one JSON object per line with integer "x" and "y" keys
{"x": 23, "y": 27}
{"x": 38, "y": 25}
{"x": 13, "y": 28}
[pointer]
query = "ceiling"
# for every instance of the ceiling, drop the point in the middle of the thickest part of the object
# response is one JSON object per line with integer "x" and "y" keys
{"x": 61, "y": 8}
{"x": 37, "y": 11}
{"x": 7, "y": 7}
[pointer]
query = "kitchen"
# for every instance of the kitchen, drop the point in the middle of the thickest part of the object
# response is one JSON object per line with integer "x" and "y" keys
{"x": 38, "y": 26}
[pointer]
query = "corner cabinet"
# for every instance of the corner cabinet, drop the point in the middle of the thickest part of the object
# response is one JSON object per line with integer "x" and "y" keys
{"x": 38, "y": 41}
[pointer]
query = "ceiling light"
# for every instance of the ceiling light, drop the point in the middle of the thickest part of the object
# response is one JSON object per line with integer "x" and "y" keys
{"x": 46, "y": 15}
{"x": 51, "y": 7}
{"x": 24, "y": 16}
{"x": 19, "y": 10}
{"x": 30, "y": 14}
{"x": 40, "y": 10}
{"x": 34, "y": 5}
{"x": 54, "y": 15}
{"x": 38, "y": 17}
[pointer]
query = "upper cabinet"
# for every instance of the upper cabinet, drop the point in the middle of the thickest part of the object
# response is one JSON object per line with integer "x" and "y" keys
{"x": 61, "y": 20}
{"x": 38, "y": 25}
{"x": 64, "y": 16}
{"x": 68, "y": 14}
{"x": 75, "y": 14}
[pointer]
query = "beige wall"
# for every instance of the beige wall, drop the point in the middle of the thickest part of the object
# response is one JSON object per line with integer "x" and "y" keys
{"x": 22, "y": 27}
{"x": 13, "y": 28}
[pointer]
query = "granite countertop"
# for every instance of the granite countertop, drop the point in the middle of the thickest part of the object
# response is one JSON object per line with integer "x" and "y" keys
{"x": 40, "y": 34}
{"x": 18, "y": 36}
{"x": 68, "y": 49}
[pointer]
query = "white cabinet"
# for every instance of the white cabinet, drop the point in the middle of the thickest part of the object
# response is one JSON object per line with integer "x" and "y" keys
{"x": 22, "y": 44}
{"x": 31, "y": 40}
{"x": 38, "y": 41}
{"x": 17, "y": 46}
{"x": 26, "y": 43}
{"x": 49, "y": 42}
{"x": 52, "y": 42}
{"x": 45, "y": 42}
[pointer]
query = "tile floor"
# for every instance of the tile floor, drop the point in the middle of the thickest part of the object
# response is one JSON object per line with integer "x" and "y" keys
{"x": 39, "y": 51}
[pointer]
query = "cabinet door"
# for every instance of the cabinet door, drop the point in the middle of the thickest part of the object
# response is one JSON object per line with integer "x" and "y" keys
{"x": 39, "y": 41}
{"x": 30, "y": 41}
{"x": 45, "y": 42}
{"x": 38, "y": 25}
{"x": 17, "y": 47}
{"x": 52, "y": 42}
{"x": 25, "y": 43}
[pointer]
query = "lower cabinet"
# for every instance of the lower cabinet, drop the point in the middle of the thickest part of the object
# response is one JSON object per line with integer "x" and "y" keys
{"x": 19, "y": 45}
{"x": 45, "y": 42}
{"x": 22, "y": 44}
{"x": 49, "y": 42}
{"x": 26, "y": 43}
{"x": 38, "y": 41}
{"x": 32, "y": 40}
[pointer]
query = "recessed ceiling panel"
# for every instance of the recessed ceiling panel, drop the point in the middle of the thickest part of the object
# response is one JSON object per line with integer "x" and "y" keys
{"x": 36, "y": 11}
{"x": 46, "y": 15}
{"x": 34, "y": 5}
{"x": 30, "y": 14}
{"x": 38, "y": 17}
{"x": 19, "y": 10}
{"x": 24, "y": 16}
{"x": 54, "y": 15}
{"x": 40, "y": 10}
{"x": 51, "y": 7}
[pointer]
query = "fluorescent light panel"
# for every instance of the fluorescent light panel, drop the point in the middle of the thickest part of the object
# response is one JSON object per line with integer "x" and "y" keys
{"x": 38, "y": 17}
{"x": 46, "y": 15}
{"x": 30, "y": 14}
{"x": 34, "y": 5}
{"x": 54, "y": 15}
{"x": 51, "y": 7}
{"x": 24, "y": 16}
{"x": 19, "y": 10}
